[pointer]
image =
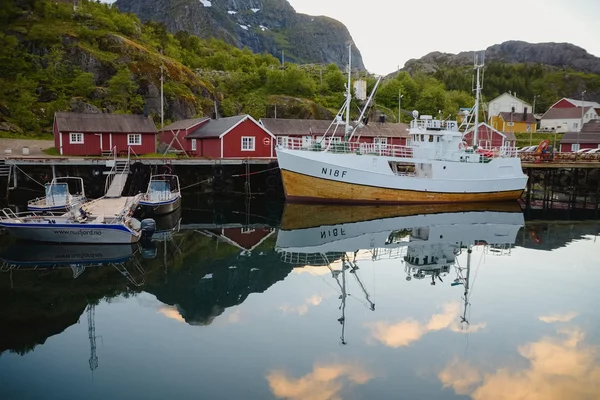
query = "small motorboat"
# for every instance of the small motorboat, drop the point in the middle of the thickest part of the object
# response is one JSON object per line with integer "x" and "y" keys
{"x": 92, "y": 222}
{"x": 58, "y": 196}
{"x": 163, "y": 195}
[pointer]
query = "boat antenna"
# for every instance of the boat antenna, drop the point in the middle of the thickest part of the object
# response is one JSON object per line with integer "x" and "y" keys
{"x": 479, "y": 62}
{"x": 348, "y": 93}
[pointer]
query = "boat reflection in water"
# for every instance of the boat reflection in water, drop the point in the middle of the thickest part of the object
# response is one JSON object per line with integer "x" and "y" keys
{"x": 426, "y": 239}
{"x": 23, "y": 255}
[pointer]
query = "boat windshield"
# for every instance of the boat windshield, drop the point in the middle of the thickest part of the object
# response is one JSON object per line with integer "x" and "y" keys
{"x": 57, "y": 194}
{"x": 159, "y": 190}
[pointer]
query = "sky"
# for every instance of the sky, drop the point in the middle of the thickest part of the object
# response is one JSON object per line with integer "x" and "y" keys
{"x": 390, "y": 32}
{"x": 395, "y": 31}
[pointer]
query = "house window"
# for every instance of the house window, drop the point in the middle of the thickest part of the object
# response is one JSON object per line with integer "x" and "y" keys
{"x": 248, "y": 143}
{"x": 76, "y": 138}
{"x": 193, "y": 144}
{"x": 246, "y": 231}
{"x": 134, "y": 139}
{"x": 575, "y": 125}
{"x": 380, "y": 140}
{"x": 510, "y": 123}
{"x": 575, "y": 147}
{"x": 282, "y": 141}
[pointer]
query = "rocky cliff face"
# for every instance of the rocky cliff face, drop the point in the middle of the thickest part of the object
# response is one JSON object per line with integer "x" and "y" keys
{"x": 269, "y": 26}
{"x": 561, "y": 55}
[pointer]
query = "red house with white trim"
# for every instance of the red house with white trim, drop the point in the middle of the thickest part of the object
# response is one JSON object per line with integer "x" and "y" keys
{"x": 240, "y": 136}
{"x": 489, "y": 138}
{"x": 78, "y": 134}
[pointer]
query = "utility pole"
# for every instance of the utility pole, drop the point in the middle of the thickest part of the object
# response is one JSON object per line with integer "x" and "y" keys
{"x": 162, "y": 105}
{"x": 582, "y": 110}
{"x": 399, "y": 105}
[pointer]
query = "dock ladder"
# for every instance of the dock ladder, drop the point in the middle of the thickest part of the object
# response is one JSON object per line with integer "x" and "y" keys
{"x": 117, "y": 177}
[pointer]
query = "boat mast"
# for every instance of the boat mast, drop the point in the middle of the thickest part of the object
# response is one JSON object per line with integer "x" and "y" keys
{"x": 479, "y": 62}
{"x": 466, "y": 284}
{"x": 348, "y": 93}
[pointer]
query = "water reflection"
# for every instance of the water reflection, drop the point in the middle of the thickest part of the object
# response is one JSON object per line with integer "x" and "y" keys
{"x": 428, "y": 240}
{"x": 268, "y": 306}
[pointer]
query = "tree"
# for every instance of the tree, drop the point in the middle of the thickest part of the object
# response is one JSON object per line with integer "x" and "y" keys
{"x": 122, "y": 91}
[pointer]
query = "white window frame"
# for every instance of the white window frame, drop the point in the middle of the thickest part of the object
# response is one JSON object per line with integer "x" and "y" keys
{"x": 194, "y": 145}
{"x": 246, "y": 231}
{"x": 72, "y": 141}
{"x": 130, "y": 136}
{"x": 575, "y": 125}
{"x": 510, "y": 124}
{"x": 248, "y": 143}
{"x": 380, "y": 140}
{"x": 283, "y": 141}
{"x": 335, "y": 139}
{"x": 575, "y": 147}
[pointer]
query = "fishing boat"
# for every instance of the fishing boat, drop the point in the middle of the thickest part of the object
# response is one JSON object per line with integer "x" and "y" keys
{"x": 107, "y": 221}
{"x": 435, "y": 166}
{"x": 163, "y": 195}
{"x": 58, "y": 196}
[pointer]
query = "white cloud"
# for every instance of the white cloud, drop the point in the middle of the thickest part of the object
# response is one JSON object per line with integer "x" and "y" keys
{"x": 566, "y": 317}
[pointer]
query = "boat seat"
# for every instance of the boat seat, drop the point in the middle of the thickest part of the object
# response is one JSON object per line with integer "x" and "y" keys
{"x": 99, "y": 219}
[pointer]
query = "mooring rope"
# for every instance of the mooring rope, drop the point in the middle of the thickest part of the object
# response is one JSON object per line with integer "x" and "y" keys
{"x": 27, "y": 175}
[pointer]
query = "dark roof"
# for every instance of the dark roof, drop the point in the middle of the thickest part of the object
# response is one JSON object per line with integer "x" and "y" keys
{"x": 517, "y": 117}
{"x": 299, "y": 127}
{"x": 565, "y": 113}
{"x": 185, "y": 124}
{"x": 581, "y": 137}
{"x": 114, "y": 123}
{"x": 216, "y": 127}
{"x": 591, "y": 126}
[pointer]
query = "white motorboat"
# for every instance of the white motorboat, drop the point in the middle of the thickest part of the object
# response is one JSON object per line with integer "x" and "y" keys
{"x": 163, "y": 195}
{"x": 107, "y": 221}
{"x": 58, "y": 196}
{"x": 435, "y": 166}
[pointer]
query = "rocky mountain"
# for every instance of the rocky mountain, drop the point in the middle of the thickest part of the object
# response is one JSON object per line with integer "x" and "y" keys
{"x": 271, "y": 26}
{"x": 560, "y": 55}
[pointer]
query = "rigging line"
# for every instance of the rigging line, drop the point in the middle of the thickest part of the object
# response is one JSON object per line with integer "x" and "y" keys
{"x": 472, "y": 287}
{"x": 27, "y": 175}
{"x": 197, "y": 183}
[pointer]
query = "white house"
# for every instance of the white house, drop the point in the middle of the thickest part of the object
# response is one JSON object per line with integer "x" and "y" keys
{"x": 505, "y": 103}
{"x": 567, "y": 119}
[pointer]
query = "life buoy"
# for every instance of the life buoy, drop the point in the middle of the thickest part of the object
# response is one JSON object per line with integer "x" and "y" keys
{"x": 267, "y": 141}
{"x": 462, "y": 145}
{"x": 96, "y": 172}
{"x": 543, "y": 146}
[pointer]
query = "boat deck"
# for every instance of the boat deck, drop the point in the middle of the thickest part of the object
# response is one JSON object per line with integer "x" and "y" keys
{"x": 108, "y": 208}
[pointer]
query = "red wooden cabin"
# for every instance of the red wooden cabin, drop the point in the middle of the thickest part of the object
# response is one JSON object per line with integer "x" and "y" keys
{"x": 240, "y": 136}
{"x": 77, "y": 134}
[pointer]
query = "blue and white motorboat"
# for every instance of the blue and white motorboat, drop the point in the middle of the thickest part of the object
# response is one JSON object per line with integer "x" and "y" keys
{"x": 163, "y": 195}
{"x": 58, "y": 196}
{"x": 107, "y": 221}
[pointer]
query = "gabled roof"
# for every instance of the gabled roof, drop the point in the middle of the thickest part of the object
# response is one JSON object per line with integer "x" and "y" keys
{"x": 517, "y": 117}
{"x": 592, "y": 126}
{"x": 185, "y": 124}
{"x": 581, "y": 137}
{"x": 113, "y": 123}
{"x": 510, "y": 95}
{"x": 217, "y": 128}
{"x": 510, "y": 136}
{"x": 565, "y": 113}
{"x": 301, "y": 127}
{"x": 578, "y": 103}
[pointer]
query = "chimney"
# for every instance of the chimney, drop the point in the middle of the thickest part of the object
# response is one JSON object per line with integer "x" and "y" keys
{"x": 146, "y": 110}
{"x": 525, "y": 114}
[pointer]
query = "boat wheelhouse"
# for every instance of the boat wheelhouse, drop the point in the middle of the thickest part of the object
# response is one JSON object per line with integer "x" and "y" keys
{"x": 435, "y": 166}
{"x": 58, "y": 196}
{"x": 163, "y": 195}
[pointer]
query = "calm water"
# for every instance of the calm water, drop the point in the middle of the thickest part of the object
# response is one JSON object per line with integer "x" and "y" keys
{"x": 322, "y": 302}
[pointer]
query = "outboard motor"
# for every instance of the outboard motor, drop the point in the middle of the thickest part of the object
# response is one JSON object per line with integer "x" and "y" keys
{"x": 149, "y": 250}
{"x": 148, "y": 228}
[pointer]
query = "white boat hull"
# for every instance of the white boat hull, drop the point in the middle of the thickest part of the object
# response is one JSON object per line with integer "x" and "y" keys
{"x": 71, "y": 233}
{"x": 160, "y": 208}
{"x": 347, "y": 177}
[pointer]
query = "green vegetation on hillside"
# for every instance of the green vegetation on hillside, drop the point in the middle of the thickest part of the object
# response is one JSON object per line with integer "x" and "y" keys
{"x": 57, "y": 58}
